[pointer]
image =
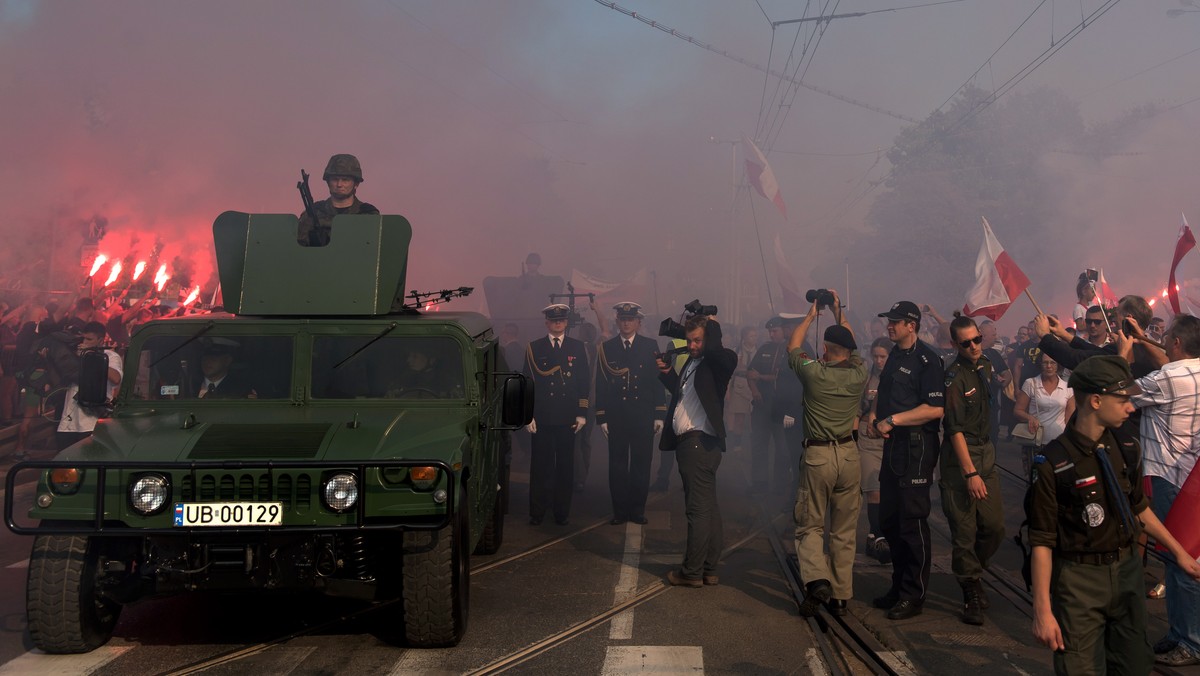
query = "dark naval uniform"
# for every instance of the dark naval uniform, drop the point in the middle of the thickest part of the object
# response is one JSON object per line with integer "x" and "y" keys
{"x": 1082, "y": 508}
{"x": 766, "y": 417}
{"x": 976, "y": 526}
{"x": 561, "y": 385}
{"x": 629, "y": 399}
{"x": 909, "y": 378}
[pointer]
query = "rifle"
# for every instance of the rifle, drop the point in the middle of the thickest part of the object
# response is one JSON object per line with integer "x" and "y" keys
{"x": 306, "y": 197}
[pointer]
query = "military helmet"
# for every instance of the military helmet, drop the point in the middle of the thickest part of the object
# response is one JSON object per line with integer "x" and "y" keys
{"x": 343, "y": 165}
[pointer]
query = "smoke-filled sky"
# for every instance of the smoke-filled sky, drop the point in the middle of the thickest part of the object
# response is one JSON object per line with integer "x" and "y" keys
{"x": 571, "y": 129}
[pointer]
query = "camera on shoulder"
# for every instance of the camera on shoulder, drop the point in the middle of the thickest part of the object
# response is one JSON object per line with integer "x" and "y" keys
{"x": 674, "y": 329}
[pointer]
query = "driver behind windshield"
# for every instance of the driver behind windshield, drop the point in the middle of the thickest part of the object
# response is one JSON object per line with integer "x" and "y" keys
{"x": 419, "y": 378}
{"x": 216, "y": 361}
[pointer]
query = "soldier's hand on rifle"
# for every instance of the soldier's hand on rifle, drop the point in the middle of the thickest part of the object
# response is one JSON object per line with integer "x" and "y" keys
{"x": 579, "y": 423}
{"x": 532, "y": 427}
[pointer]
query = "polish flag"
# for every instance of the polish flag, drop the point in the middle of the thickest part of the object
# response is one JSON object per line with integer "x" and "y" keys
{"x": 1105, "y": 292}
{"x": 1181, "y": 520}
{"x": 793, "y": 299}
{"x": 761, "y": 176}
{"x": 998, "y": 280}
{"x": 1184, "y": 244}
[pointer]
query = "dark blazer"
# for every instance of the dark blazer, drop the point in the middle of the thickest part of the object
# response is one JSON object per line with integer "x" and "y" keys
{"x": 626, "y": 386}
{"x": 562, "y": 381}
{"x": 712, "y": 380}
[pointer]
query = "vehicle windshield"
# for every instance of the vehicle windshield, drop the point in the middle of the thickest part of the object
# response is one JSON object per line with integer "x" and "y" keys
{"x": 391, "y": 367}
{"x": 214, "y": 366}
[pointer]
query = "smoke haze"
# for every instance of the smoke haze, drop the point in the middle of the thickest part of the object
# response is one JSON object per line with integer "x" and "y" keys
{"x": 571, "y": 129}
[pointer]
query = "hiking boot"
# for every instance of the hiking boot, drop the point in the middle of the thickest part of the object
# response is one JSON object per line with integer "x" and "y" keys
{"x": 883, "y": 553}
{"x": 819, "y": 592}
{"x": 972, "y": 607}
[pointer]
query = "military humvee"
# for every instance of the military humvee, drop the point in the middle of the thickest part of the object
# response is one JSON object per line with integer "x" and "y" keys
{"x": 317, "y": 436}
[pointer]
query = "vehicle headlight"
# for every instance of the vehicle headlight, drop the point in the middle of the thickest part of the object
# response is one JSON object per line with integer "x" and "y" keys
{"x": 65, "y": 480}
{"x": 148, "y": 494}
{"x": 340, "y": 492}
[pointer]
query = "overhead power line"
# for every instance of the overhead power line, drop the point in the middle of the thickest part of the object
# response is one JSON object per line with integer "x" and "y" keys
{"x": 750, "y": 64}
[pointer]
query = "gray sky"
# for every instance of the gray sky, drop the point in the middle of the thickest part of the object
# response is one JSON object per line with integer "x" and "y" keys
{"x": 565, "y": 127}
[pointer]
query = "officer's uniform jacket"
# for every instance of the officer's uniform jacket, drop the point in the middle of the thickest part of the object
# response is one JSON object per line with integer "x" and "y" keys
{"x": 561, "y": 380}
{"x": 627, "y": 386}
{"x": 1070, "y": 509}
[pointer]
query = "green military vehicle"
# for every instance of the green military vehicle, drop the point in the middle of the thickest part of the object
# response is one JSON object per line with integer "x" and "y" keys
{"x": 319, "y": 435}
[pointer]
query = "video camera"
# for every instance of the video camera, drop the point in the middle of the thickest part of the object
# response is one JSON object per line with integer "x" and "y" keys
{"x": 674, "y": 329}
{"x": 670, "y": 354}
{"x": 822, "y": 297}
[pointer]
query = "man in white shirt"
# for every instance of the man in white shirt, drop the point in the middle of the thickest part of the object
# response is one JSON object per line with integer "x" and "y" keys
{"x": 78, "y": 422}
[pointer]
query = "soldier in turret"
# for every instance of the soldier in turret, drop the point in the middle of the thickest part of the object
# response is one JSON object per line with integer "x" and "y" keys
{"x": 342, "y": 175}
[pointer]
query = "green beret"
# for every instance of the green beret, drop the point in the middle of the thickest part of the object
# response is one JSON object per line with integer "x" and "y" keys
{"x": 1102, "y": 374}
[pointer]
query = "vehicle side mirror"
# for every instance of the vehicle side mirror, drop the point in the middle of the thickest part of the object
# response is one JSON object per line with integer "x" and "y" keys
{"x": 518, "y": 401}
{"x": 93, "y": 379}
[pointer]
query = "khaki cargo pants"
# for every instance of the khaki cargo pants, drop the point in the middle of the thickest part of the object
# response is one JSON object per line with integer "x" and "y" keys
{"x": 829, "y": 490}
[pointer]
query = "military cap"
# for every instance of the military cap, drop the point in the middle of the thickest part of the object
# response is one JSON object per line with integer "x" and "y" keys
{"x": 628, "y": 310}
{"x": 774, "y": 322}
{"x": 790, "y": 319}
{"x": 840, "y": 335}
{"x": 1102, "y": 374}
{"x": 556, "y": 311}
{"x": 533, "y": 259}
{"x": 905, "y": 309}
{"x": 343, "y": 164}
{"x": 220, "y": 346}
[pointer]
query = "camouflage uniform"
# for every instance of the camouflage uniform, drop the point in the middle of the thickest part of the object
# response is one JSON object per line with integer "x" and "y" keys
{"x": 339, "y": 165}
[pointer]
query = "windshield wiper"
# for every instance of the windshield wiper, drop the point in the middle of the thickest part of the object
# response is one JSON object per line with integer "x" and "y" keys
{"x": 369, "y": 344}
{"x": 203, "y": 330}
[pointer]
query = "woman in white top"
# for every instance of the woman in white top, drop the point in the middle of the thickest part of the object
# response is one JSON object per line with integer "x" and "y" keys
{"x": 1046, "y": 404}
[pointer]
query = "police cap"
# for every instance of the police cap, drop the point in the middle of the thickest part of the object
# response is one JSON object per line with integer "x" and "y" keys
{"x": 556, "y": 311}
{"x": 1102, "y": 374}
{"x": 628, "y": 310}
{"x": 905, "y": 309}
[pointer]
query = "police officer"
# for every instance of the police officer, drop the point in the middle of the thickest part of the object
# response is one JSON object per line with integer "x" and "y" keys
{"x": 1086, "y": 508}
{"x": 970, "y": 482}
{"x": 907, "y": 409}
{"x": 766, "y": 422}
{"x": 559, "y": 369}
{"x": 343, "y": 173}
{"x": 630, "y": 405}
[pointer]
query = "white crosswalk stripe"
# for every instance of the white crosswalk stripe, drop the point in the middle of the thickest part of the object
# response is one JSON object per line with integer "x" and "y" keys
{"x": 653, "y": 659}
{"x": 63, "y": 665}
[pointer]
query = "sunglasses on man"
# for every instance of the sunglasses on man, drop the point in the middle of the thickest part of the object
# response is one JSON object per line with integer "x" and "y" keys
{"x": 964, "y": 344}
{"x": 1094, "y": 322}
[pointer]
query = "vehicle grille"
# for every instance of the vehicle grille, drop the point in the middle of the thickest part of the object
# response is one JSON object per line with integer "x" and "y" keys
{"x": 294, "y": 490}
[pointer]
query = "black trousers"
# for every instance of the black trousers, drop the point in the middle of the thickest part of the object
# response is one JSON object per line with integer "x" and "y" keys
{"x": 551, "y": 471}
{"x": 630, "y": 454}
{"x": 767, "y": 471}
{"x": 904, "y": 482}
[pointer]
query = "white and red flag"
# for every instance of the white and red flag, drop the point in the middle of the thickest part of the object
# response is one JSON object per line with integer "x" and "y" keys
{"x": 1107, "y": 298}
{"x": 1184, "y": 244}
{"x": 760, "y": 175}
{"x": 998, "y": 280}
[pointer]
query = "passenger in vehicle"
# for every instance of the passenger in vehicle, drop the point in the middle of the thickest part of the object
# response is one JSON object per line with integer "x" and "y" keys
{"x": 216, "y": 362}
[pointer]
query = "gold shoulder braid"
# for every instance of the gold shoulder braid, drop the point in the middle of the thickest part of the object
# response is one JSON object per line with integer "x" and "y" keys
{"x": 533, "y": 364}
{"x": 615, "y": 373}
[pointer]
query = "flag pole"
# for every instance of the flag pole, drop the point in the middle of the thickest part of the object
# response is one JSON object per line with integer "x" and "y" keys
{"x": 1103, "y": 310}
{"x": 1031, "y": 300}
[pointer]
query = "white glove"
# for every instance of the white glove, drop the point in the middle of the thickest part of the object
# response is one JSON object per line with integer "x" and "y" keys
{"x": 532, "y": 427}
{"x": 658, "y": 426}
{"x": 604, "y": 428}
{"x": 579, "y": 423}
{"x": 788, "y": 421}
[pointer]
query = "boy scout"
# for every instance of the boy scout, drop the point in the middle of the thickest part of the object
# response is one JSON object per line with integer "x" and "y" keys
{"x": 970, "y": 484}
{"x": 1085, "y": 509}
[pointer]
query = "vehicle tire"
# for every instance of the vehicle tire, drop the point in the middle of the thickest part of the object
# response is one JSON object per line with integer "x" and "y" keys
{"x": 66, "y": 615}
{"x": 493, "y": 531}
{"x": 437, "y": 582}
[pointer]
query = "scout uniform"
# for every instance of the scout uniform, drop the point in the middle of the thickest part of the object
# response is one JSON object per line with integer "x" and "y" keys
{"x": 561, "y": 384}
{"x": 766, "y": 423}
{"x": 976, "y": 526}
{"x": 829, "y": 472}
{"x": 1081, "y": 505}
{"x": 629, "y": 399}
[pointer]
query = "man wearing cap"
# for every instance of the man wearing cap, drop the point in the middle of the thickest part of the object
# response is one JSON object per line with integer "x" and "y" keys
{"x": 559, "y": 368}
{"x": 342, "y": 174}
{"x": 970, "y": 482}
{"x": 907, "y": 409}
{"x": 766, "y": 423}
{"x": 630, "y": 405}
{"x": 829, "y": 471}
{"x": 695, "y": 430}
{"x": 1086, "y": 510}
{"x": 217, "y": 383}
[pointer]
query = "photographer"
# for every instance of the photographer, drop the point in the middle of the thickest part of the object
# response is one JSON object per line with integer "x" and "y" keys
{"x": 695, "y": 430}
{"x": 78, "y": 422}
{"x": 829, "y": 473}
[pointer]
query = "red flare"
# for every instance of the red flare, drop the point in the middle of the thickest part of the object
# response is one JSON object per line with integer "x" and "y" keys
{"x": 116, "y": 272}
{"x": 160, "y": 277}
{"x": 191, "y": 298}
{"x": 138, "y": 270}
{"x": 100, "y": 260}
